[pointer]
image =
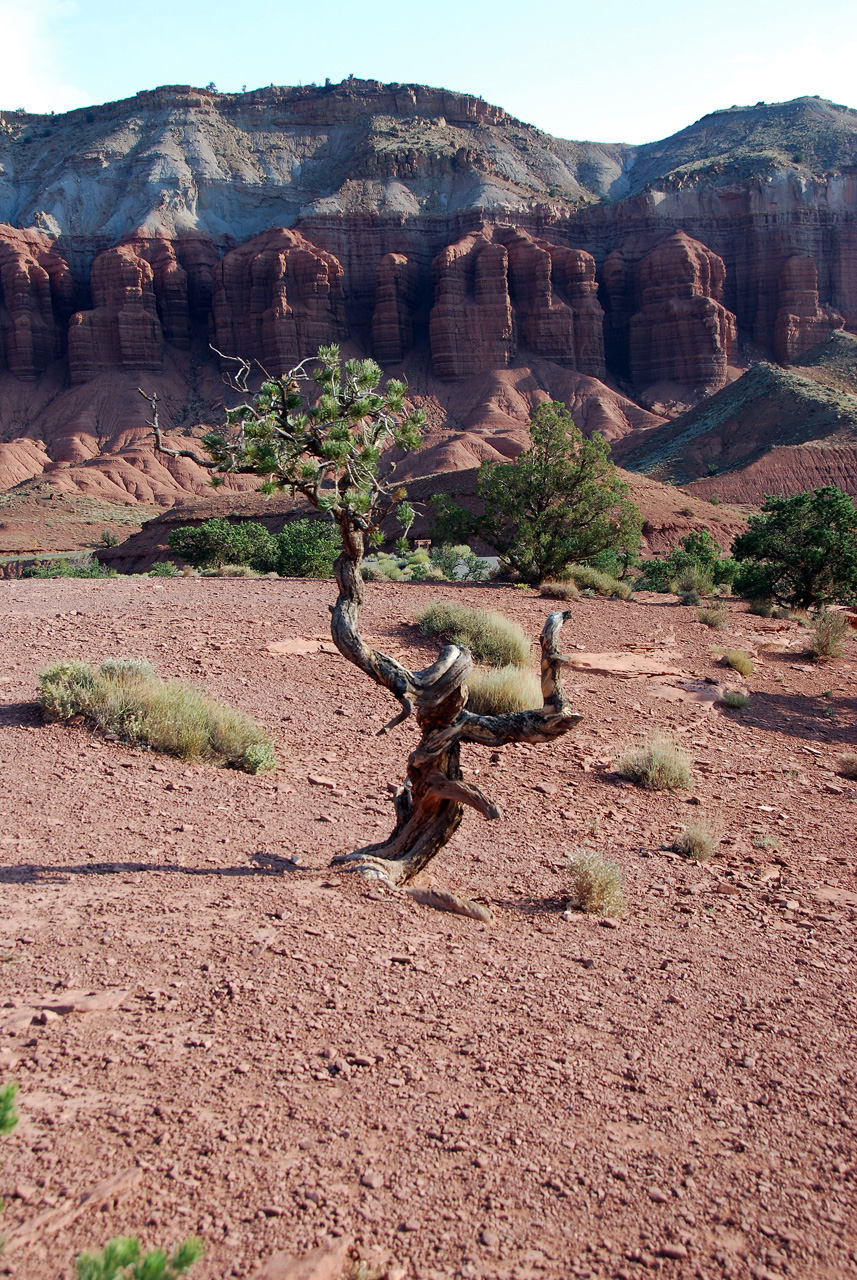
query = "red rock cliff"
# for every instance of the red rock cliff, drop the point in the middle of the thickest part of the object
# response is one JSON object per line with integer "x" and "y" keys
{"x": 36, "y": 290}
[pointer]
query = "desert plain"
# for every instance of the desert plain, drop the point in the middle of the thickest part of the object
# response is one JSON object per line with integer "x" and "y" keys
{"x": 216, "y": 1033}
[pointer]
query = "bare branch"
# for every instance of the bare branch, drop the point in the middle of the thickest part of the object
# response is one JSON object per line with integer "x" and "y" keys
{"x": 160, "y": 447}
{"x": 464, "y": 793}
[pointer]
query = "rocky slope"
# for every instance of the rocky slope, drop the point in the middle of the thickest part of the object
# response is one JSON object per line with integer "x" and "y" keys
{"x": 427, "y": 228}
{"x": 774, "y": 430}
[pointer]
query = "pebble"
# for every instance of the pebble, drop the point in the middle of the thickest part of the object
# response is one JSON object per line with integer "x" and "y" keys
{"x": 320, "y": 780}
{"x": 372, "y": 1179}
{"x": 489, "y": 1238}
{"x": 657, "y": 1196}
{"x": 676, "y": 1251}
{"x": 243, "y": 1068}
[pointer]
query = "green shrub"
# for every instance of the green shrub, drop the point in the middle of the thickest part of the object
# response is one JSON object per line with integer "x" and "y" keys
{"x": 696, "y": 564}
{"x": 739, "y": 661}
{"x": 560, "y": 502}
{"x": 124, "y": 696}
{"x": 589, "y": 579}
{"x": 307, "y": 549}
{"x": 736, "y": 699}
{"x": 231, "y": 571}
{"x": 762, "y": 608}
{"x": 8, "y": 1114}
{"x": 716, "y": 617}
{"x": 122, "y": 1259}
{"x": 829, "y": 638}
{"x": 490, "y": 637}
{"x": 78, "y": 567}
{"x": 697, "y": 841}
{"x": 656, "y": 764}
{"x": 459, "y": 563}
{"x": 164, "y": 569}
{"x": 495, "y": 690}
{"x": 693, "y": 579}
{"x": 800, "y": 550}
{"x": 217, "y": 542}
{"x": 108, "y": 539}
{"x": 596, "y": 884}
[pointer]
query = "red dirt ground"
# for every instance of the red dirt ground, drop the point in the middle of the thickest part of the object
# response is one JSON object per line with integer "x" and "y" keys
{"x": 302, "y": 1057}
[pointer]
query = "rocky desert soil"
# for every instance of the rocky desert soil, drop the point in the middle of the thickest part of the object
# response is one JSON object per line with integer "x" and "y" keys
{"x": 214, "y": 1033}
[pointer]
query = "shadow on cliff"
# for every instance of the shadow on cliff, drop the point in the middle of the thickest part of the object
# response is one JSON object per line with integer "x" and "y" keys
{"x": 264, "y": 864}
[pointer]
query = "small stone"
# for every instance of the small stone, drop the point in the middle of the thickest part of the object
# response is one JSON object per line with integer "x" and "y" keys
{"x": 608, "y": 922}
{"x": 410, "y": 1224}
{"x": 730, "y": 890}
{"x": 489, "y": 1238}
{"x": 546, "y": 788}
{"x": 372, "y": 1179}
{"x": 833, "y": 789}
{"x": 586, "y": 962}
{"x": 320, "y": 780}
{"x": 243, "y": 1068}
{"x": 676, "y": 1251}
{"x": 657, "y": 1196}
{"x": 692, "y": 800}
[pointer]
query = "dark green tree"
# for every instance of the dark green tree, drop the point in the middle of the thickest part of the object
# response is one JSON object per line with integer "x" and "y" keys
{"x": 217, "y": 542}
{"x": 307, "y": 549}
{"x": 560, "y": 502}
{"x": 800, "y": 550}
{"x": 331, "y": 447}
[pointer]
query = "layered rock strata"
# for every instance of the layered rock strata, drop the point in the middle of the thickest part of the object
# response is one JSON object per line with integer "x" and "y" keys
{"x": 36, "y": 292}
{"x": 801, "y": 322}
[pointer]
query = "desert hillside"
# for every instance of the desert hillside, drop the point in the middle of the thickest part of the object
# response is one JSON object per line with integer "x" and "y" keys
{"x": 489, "y": 262}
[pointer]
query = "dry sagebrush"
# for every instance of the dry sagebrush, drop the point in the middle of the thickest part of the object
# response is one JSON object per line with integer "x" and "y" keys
{"x": 126, "y": 697}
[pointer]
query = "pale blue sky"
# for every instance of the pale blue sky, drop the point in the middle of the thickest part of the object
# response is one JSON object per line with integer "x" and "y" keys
{"x": 619, "y": 70}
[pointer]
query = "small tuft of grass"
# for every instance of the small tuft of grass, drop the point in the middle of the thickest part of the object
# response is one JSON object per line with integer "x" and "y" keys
{"x": 656, "y": 764}
{"x": 739, "y": 661}
{"x": 715, "y": 616}
{"x": 761, "y": 608}
{"x": 491, "y": 638}
{"x": 765, "y": 842}
{"x": 559, "y": 591}
{"x": 164, "y": 569}
{"x": 846, "y": 765}
{"x": 597, "y": 884}
{"x": 492, "y": 691}
{"x": 829, "y": 638}
{"x": 697, "y": 842}
{"x": 125, "y": 696}
{"x": 735, "y": 699}
{"x": 589, "y": 579}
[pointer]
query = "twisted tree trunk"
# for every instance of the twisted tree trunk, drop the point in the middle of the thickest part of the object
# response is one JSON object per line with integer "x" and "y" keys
{"x": 430, "y": 803}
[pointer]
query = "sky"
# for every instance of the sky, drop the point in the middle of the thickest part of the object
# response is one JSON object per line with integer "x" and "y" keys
{"x": 614, "y": 71}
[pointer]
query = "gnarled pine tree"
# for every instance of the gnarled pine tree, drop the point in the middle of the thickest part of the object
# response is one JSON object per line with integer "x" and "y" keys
{"x": 331, "y": 452}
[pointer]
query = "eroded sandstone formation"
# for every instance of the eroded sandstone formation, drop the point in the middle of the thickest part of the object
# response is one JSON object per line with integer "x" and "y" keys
{"x": 36, "y": 290}
{"x": 277, "y": 299}
{"x": 681, "y": 332}
{"x": 501, "y": 291}
{"x": 801, "y": 322}
{"x": 396, "y": 294}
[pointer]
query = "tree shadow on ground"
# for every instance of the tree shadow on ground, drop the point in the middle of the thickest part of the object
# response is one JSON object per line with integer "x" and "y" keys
{"x": 801, "y": 715}
{"x": 266, "y": 864}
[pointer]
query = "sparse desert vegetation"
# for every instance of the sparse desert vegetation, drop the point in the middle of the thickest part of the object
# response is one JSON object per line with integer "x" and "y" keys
{"x": 697, "y": 841}
{"x": 496, "y": 690}
{"x": 846, "y": 765}
{"x": 491, "y": 638}
{"x": 715, "y": 616}
{"x": 829, "y": 638}
{"x": 597, "y": 885}
{"x": 126, "y": 697}
{"x": 656, "y": 764}
{"x": 739, "y": 661}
